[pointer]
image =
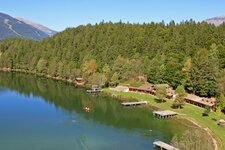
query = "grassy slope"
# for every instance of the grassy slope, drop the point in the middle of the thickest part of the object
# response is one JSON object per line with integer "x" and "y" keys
{"x": 190, "y": 112}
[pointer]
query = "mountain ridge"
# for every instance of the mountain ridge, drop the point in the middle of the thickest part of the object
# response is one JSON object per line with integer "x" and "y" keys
{"x": 217, "y": 21}
{"x": 41, "y": 27}
{"x": 11, "y": 27}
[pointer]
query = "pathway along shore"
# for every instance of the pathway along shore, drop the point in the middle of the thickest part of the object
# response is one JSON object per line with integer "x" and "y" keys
{"x": 207, "y": 130}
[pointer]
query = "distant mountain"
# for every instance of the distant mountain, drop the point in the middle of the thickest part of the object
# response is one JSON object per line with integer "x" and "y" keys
{"x": 38, "y": 26}
{"x": 216, "y": 20}
{"x": 13, "y": 28}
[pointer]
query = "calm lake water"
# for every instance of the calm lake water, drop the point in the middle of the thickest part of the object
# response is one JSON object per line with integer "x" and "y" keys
{"x": 42, "y": 114}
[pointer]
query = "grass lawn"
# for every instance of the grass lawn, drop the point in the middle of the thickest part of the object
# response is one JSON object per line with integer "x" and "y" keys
{"x": 191, "y": 112}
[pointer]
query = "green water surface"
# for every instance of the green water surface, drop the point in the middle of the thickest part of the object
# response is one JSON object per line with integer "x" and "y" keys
{"x": 42, "y": 114}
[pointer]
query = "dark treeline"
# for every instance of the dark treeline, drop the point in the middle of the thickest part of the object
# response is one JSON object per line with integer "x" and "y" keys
{"x": 190, "y": 54}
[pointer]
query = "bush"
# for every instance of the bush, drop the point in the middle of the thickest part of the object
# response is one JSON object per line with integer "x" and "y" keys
{"x": 206, "y": 111}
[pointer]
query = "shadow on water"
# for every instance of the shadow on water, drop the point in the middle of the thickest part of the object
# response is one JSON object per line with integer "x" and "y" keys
{"x": 104, "y": 109}
{"x": 2, "y": 90}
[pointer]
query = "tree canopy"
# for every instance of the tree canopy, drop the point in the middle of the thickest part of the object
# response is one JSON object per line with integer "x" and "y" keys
{"x": 189, "y": 53}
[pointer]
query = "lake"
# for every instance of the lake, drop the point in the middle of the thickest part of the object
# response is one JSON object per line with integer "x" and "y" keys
{"x": 42, "y": 114}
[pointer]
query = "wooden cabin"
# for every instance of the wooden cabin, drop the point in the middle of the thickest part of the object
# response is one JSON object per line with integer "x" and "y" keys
{"x": 79, "y": 82}
{"x": 147, "y": 88}
{"x": 169, "y": 90}
{"x": 170, "y": 93}
{"x": 201, "y": 101}
{"x": 151, "y": 89}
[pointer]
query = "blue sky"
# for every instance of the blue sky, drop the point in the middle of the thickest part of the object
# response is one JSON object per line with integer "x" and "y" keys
{"x": 60, "y": 14}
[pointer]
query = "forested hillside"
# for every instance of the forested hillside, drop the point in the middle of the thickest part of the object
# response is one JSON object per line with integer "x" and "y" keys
{"x": 189, "y": 53}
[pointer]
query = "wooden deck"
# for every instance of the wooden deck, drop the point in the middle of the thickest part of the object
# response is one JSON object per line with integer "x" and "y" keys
{"x": 164, "y": 114}
{"x": 134, "y": 103}
{"x": 94, "y": 91}
{"x": 163, "y": 146}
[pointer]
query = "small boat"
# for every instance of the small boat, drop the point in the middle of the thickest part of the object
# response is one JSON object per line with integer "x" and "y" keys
{"x": 87, "y": 109}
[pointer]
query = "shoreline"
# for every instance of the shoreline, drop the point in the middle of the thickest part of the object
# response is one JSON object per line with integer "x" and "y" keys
{"x": 190, "y": 120}
{"x": 38, "y": 74}
{"x": 207, "y": 130}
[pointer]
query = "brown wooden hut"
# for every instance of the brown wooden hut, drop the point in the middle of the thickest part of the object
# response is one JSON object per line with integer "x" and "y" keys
{"x": 79, "y": 82}
{"x": 200, "y": 101}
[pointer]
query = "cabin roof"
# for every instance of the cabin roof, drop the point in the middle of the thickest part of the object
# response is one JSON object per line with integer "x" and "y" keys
{"x": 201, "y": 100}
{"x": 145, "y": 87}
{"x": 79, "y": 78}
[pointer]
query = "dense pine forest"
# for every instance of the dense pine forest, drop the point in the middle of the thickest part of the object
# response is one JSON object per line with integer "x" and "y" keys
{"x": 189, "y": 53}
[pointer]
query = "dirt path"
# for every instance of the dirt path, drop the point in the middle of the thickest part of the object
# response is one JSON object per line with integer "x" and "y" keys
{"x": 208, "y": 131}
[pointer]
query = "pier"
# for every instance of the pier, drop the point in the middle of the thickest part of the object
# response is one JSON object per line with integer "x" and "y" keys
{"x": 94, "y": 91}
{"x": 134, "y": 103}
{"x": 164, "y": 146}
{"x": 164, "y": 114}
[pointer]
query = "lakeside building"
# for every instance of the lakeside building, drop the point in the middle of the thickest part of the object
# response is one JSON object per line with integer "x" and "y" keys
{"x": 147, "y": 88}
{"x": 151, "y": 89}
{"x": 201, "y": 101}
{"x": 169, "y": 90}
{"x": 79, "y": 82}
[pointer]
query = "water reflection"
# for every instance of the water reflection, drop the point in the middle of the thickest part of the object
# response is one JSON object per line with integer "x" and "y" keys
{"x": 105, "y": 113}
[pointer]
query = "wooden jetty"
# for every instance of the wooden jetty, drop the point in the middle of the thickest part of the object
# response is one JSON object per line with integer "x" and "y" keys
{"x": 94, "y": 91}
{"x": 164, "y": 114}
{"x": 164, "y": 146}
{"x": 134, "y": 103}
